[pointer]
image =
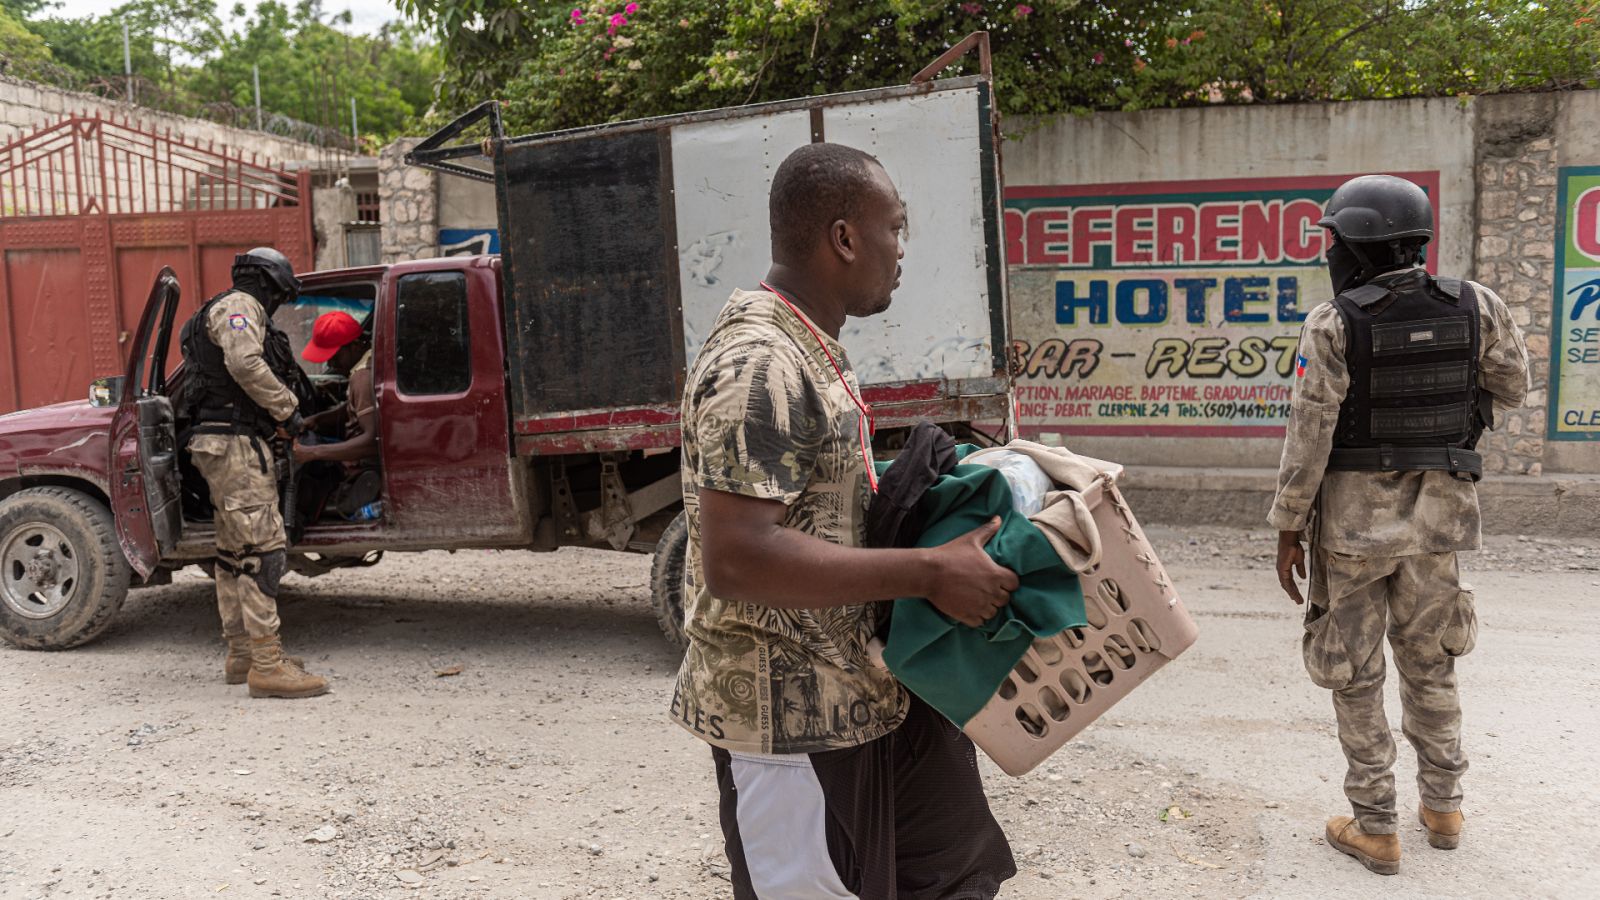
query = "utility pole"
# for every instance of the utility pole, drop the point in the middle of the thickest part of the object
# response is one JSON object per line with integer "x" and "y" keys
{"x": 355, "y": 132}
{"x": 127, "y": 61}
{"x": 255, "y": 72}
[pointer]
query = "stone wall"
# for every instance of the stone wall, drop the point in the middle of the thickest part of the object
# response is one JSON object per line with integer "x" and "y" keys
{"x": 1517, "y": 160}
{"x": 409, "y": 198}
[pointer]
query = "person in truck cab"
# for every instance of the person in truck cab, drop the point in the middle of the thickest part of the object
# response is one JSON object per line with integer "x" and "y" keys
{"x": 243, "y": 389}
{"x": 339, "y": 340}
{"x": 340, "y": 344}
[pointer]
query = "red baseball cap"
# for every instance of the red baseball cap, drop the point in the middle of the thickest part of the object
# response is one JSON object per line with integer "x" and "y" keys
{"x": 329, "y": 333}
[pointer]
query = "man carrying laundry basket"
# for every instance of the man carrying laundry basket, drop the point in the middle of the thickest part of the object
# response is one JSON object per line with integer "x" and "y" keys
{"x": 1396, "y": 379}
{"x": 835, "y": 781}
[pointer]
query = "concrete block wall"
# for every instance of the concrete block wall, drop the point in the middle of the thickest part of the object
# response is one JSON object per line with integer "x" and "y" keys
{"x": 25, "y": 106}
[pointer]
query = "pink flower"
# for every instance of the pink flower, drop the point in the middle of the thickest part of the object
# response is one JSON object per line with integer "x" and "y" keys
{"x": 577, "y": 17}
{"x": 1127, "y": 42}
{"x": 972, "y": 9}
{"x": 618, "y": 20}
{"x": 1023, "y": 11}
{"x": 631, "y": 8}
{"x": 1099, "y": 58}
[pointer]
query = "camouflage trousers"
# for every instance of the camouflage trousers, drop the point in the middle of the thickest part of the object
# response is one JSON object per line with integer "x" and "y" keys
{"x": 251, "y": 556}
{"x": 1429, "y": 618}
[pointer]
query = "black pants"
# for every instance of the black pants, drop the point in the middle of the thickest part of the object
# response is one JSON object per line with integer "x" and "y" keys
{"x": 903, "y": 817}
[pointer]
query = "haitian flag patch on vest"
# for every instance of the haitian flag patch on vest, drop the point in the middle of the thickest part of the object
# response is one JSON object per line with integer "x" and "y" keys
{"x": 1300, "y": 366}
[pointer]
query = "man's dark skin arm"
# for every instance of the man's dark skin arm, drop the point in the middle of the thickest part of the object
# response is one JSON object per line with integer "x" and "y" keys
{"x": 749, "y": 556}
{"x": 1291, "y": 562}
{"x": 361, "y": 446}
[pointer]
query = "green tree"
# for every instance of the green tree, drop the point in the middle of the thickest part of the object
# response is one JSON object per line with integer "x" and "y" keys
{"x": 310, "y": 69}
{"x": 560, "y": 64}
{"x": 23, "y": 54}
{"x": 1339, "y": 50}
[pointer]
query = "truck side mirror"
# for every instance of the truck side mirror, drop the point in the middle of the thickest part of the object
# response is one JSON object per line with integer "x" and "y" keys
{"x": 106, "y": 391}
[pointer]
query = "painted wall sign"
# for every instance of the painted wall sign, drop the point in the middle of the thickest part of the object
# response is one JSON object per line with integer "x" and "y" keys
{"x": 468, "y": 241}
{"x": 1575, "y": 361}
{"x": 1165, "y": 308}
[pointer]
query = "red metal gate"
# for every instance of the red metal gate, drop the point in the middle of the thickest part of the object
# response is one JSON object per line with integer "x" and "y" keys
{"x": 90, "y": 210}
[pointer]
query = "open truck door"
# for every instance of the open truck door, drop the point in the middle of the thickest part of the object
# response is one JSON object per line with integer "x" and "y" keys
{"x": 144, "y": 484}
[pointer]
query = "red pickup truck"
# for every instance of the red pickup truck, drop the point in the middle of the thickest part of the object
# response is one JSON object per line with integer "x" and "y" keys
{"x": 530, "y": 400}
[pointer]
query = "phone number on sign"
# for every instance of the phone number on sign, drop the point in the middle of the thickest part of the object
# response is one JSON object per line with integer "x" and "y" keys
{"x": 1208, "y": 411}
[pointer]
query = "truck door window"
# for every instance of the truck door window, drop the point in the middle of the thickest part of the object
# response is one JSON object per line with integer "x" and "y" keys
{"x": 432, "y": 354}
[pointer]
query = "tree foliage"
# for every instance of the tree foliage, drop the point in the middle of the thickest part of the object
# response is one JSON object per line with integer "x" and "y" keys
{"x": 310, "y": 65}
{"x": 560, "y": 64}
{"x": 23, "y": 54}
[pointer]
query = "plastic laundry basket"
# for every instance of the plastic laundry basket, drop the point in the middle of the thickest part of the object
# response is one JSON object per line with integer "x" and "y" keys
{"x": 1136, "y": 625}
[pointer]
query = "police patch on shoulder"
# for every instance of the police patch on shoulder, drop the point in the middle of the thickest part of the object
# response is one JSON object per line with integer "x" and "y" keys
{"x": 238, "y": 321}
{"x": 1300, "y": 366}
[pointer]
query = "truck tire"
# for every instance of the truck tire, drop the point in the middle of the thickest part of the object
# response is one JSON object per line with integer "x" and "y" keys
{"x": 62, "y": 573}
{"x": 666, "y": 580}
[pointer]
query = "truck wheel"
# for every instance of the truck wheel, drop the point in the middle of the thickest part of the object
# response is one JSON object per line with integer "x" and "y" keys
{"x": 62, "y": 573}
{"x": 666, "y": 580}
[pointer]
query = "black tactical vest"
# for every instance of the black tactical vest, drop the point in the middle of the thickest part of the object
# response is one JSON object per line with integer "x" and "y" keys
{"x": 213, "y": 401}
{"x": 1413, "y": 402}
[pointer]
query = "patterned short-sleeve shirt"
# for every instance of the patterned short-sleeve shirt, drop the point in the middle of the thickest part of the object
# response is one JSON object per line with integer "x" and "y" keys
{"x": 765, "y": 415}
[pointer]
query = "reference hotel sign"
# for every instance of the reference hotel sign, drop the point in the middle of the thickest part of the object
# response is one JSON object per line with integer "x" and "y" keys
{"x": 1575, "y": 365}
{"x": 1166, "y": 308}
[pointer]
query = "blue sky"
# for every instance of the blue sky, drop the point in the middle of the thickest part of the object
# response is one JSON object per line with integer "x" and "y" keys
{"x": 368, "y": 14}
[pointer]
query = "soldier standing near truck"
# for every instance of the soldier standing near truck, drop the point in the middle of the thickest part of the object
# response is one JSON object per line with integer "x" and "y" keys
{"x": 835, "y": 782}
{"x": 1396, "y": 379}
{"x": 242, "y": 392}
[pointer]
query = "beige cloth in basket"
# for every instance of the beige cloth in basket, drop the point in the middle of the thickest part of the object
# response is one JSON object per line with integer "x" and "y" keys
{"x": 1065, "y": 519}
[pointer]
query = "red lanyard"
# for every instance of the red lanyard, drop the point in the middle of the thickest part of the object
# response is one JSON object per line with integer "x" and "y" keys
{"x": 866, "y": 426}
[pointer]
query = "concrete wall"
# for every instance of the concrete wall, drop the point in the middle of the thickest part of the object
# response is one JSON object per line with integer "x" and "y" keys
{"x": 25, "y": 106}
{"x": 331, "y": 208}
{"x": 1496, "y": 161}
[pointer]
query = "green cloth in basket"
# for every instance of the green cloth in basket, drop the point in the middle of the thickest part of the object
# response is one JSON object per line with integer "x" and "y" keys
{"x": 957, "y": 669}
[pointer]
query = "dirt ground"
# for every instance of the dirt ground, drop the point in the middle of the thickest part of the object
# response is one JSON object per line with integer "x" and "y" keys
{"x": 547, "y": 766}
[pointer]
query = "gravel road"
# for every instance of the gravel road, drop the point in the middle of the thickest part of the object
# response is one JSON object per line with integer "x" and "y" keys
{"x": 545, "y": 766}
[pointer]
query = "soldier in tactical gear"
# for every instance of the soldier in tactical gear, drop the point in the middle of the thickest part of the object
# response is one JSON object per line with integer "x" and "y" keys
{"x": 1396, "y": 379}
{"x": 244, "y": 389}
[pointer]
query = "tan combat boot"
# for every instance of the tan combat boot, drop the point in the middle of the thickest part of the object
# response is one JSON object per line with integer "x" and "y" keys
{"x": 1444, "y": 829}
{"x": 274, "y": 675}
{"x": 1378, "y": 852}
{"x": 236, "y": 667}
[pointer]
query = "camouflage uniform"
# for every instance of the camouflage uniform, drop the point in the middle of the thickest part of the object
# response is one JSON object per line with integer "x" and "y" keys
{"x": 765, "y": 416}
{"x": 1383, "y": 559}
{"x": 240, "y": 471}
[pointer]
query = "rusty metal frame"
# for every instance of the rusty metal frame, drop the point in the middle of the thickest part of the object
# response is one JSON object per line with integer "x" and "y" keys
{"x": 978, "y": 39}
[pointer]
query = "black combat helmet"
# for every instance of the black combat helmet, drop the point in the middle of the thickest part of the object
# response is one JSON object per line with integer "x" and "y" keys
{"x": 1375, "y": 208}
{"x": 274, "y": 265}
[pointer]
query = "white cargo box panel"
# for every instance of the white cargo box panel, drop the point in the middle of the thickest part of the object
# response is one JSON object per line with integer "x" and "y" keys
{"x": 932, "y": 145}
{"x": 621, "y": 243}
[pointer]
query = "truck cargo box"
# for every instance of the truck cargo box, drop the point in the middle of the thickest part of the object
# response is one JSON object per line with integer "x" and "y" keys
{"x": 621, "y": 242}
